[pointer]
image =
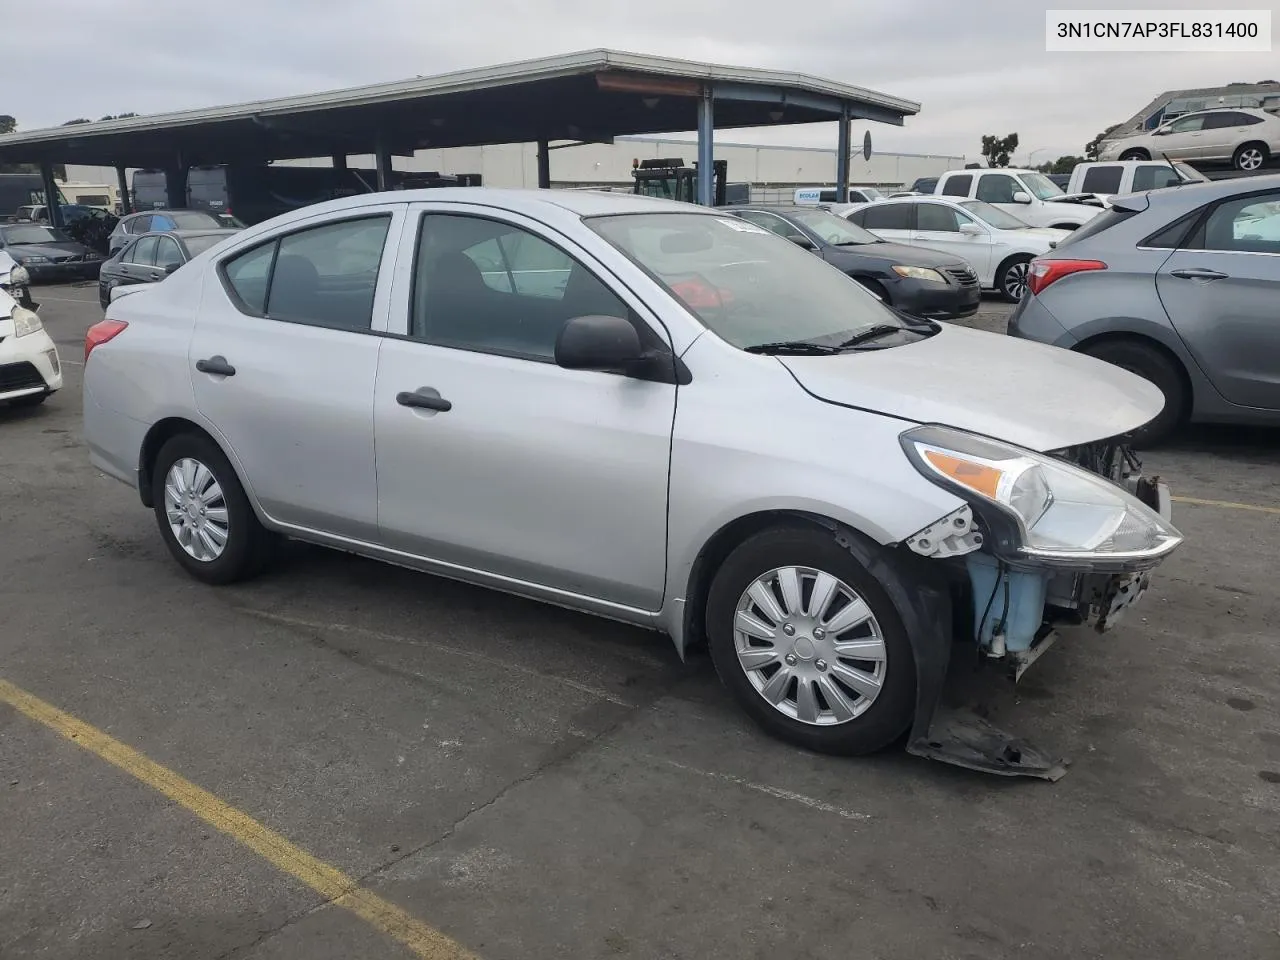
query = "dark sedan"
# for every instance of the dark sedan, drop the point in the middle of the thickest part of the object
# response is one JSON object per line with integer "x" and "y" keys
{"x": 918, "y": 282}
{"x": 49, "y": 255}
{"x": 153, "y": 256}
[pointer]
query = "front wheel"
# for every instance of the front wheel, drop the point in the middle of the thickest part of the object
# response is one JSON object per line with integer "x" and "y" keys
{"x": 1250, "y": 157}
{"x": 809, "y": 643}
{"x": 204, "y": 516}
{"x": 1011, "y": 279}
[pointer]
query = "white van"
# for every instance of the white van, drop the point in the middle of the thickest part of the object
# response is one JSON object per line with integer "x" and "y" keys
{"x": 812, "y": 196}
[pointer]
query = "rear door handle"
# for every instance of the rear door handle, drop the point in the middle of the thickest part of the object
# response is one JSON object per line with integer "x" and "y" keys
{"x": 217, "y": 366}
{"x": 425, "y": 401}
{"x": 1198, "y": 273}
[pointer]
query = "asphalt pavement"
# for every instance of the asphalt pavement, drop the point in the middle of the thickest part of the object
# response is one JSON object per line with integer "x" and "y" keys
{"x": 347, "y": 759}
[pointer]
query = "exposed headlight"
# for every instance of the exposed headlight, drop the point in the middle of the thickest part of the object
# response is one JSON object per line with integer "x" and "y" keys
{"x": 33, "y": 259}
{"x": 25, "y": 321}
{"x": 1045, "y": 509}
{"x": 919, "y": 273}
{"x": 18, "y": 276}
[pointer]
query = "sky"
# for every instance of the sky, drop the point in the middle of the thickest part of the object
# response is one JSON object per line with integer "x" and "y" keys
{"x": 977, "y": 67}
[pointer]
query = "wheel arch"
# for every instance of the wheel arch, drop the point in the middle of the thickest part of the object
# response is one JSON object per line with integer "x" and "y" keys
{"x": 1260, "y": 144}
{"x": 160, "y": 433}
{"x": 1141, "y": 339}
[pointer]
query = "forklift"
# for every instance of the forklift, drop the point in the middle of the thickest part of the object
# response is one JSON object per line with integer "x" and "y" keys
{"x": 670, "y": 179}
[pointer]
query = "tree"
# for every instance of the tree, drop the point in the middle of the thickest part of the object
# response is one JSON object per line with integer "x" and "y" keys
{"x": 1093, "y": 146}
{"x": 1064, "y": 164}
{"x": 998, "y": 150}
{"x": 77, "y": 120}
{"x": 7, "y": 123}
{"x": 116, "y": 116}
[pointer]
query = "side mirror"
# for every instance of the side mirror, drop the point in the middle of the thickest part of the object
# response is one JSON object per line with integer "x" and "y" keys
{"x": 800, "y": 240}
{"x": 1021, "y": 196}
{"x": 971, "y": 230}
{"x": 171, "y": 266}
{"x": 598, "y": 343}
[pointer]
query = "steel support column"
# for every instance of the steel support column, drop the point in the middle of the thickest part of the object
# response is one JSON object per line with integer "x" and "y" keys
{"x": 706, "y": 148}
{"x": 842, "y": 157}
{"x": 382, "y": 163}
{"x": 544, "y": 165}
{"x": 51, "y": 195}
{"x": 175, "y": 185}
{"x": 122, "y": 178}
{"x": 340, "y": 162}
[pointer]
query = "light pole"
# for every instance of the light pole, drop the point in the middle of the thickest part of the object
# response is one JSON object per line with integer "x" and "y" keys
{"x": 1031, "y": 157}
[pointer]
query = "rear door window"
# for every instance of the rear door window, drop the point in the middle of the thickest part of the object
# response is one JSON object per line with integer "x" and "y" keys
{"x": 957, "y": 186}
{"x": 144, "y": 251}
{"x": 326, "y": 276}
{"x": 888, "y": 216}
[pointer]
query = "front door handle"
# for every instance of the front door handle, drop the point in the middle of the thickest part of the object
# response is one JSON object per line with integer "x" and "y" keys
{"x": 1198, "y": 273}
{"x": 217, "y": 366}
{"x": 422, "y": 399}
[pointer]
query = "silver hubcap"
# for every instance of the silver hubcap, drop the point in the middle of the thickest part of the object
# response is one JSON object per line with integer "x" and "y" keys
{"x": 1250, "y": 159}
{"x": 810, "y": 645}
{"x": 196, "y": 509}
{"x": 1015, "y": 280}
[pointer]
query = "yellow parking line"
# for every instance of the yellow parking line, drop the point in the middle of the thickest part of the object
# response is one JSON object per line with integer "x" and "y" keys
{"x": 332, "y": 884}
{"x": 1228, "y": 504}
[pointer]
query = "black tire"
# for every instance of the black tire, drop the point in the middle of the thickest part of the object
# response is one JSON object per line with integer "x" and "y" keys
{"x": 1135, "y": 155}
{"x": 248, "y": 545}
{"x": 1155, "y": 366}
{"x": 30, "y": 400}
{"x": 890, "y": 712}
{"x": 1250, "y": 157}
{"x": 876, "y": 287}
{"x": 1012, "y": 273}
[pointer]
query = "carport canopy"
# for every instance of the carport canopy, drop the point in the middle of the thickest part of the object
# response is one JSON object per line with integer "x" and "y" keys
{"x": 594, "y": 95}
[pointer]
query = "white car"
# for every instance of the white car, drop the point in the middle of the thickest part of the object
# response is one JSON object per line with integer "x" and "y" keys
{"x": 1246, "y": 136}
{"x": 997, "y": 245}
{"x": 1026, "y": 194}
{"x": 29, "y": 367}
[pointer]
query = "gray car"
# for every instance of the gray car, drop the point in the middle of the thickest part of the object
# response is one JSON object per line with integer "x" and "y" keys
{"x": 163, "y": 221}
{"x": 1180, "y": 286}
{"x": 643, "y": 409}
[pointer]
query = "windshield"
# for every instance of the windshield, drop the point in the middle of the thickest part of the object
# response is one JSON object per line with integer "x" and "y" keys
{"x": 744, "y": 283}
{"x": 834, "y": 230}
{"x": 994, "y": 216}
{"x": 33, "y": 233}
{"x": 1041, "y": 186}
{"x": 201, "y": 242}
{"x": 871, "y": 193}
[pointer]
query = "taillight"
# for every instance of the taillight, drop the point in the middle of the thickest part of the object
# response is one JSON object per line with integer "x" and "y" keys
{"x": 100, "y": 333}
{"x": 1045, "y": 272}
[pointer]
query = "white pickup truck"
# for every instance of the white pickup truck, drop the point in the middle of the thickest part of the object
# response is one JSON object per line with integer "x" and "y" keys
{"x": 1109, "y": 178}
{"x": 1026, "y": 194}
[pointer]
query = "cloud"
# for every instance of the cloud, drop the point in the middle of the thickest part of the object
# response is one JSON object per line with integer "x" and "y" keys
{"x": 975, "y": 68}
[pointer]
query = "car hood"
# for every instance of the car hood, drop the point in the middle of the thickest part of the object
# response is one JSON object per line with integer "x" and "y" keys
{"x": 1036, "y": 396}
{"x": 891, "y": 253}
{"x": 51, "y": 250}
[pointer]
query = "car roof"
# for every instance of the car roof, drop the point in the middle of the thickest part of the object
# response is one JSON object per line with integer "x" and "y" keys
{"x": 1207, "y": 191}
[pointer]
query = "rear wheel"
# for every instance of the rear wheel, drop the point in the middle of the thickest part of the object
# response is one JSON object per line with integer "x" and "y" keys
{"x": 1156, "y": 367}
{"x": 1250, "y": 157}
{"x": 204, "y": 516}
{"x": 1011, "y": 278}
{"x": 809, "y": 644}
{"x": 1135, "y": 155}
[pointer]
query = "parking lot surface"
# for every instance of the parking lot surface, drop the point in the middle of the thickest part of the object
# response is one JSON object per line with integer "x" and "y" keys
{"x": 344, "y": 759}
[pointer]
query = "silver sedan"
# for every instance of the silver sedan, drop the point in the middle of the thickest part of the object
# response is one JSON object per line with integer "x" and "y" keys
{"x": 641, "y": 409}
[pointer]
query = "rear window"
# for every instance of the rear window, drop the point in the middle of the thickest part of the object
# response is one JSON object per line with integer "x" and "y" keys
{"x": 1103, "y": 221}
{"x": 1104, "y": 179}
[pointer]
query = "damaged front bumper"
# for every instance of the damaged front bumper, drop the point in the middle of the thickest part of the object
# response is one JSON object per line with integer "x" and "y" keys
{"x": 1013, "y": 612}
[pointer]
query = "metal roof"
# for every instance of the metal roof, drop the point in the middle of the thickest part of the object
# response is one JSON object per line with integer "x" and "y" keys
{"x": 590, "y": 95}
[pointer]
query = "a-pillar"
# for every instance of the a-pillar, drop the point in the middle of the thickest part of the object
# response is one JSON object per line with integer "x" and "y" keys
{"x": 706, "y": 151}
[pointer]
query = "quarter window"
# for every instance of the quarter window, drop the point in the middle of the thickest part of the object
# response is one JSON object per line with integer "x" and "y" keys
{"x": 491, "y": 287}
{"x": 248, "y": 274}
